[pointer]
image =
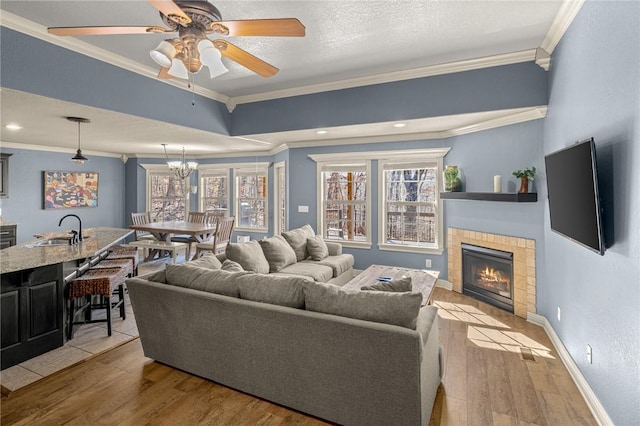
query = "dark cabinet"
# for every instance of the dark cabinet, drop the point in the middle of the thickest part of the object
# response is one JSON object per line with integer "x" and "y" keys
{"x": 7, "y": 235}
{"x": 32, "y": 313}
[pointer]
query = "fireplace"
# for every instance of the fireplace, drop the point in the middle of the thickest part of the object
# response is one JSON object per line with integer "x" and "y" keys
{"x": 487, "y": 275}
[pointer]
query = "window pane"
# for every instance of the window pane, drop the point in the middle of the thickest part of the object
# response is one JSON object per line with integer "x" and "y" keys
{"x": 252, "y": 203}
{"x": 166, "y": 197}
{"x": 214, "y": 194}
{"x": 344, "y": 200}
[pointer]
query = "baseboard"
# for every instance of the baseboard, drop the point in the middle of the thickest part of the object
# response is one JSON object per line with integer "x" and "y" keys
{"x": 590, "y": 398}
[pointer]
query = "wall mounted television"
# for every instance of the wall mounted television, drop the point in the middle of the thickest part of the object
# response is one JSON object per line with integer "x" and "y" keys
{"x": 574, "y": 202}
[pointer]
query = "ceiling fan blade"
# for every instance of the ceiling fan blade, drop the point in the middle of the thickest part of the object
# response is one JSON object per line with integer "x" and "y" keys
{"x": 163, "y": 74}
{"x": 171, "y": 10}
{"x": 82, "y": 31}
{"x": 286, "y": 27}
{"x": 245, "y": 58}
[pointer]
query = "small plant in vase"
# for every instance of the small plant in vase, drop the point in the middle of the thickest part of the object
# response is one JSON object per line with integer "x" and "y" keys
{"x": 525, "y": 175}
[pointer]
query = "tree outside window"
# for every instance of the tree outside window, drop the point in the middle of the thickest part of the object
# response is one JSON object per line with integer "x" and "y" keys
{"x": 251, "y": 199}
{"x": 344, "y": 205}
{"x": 167, "y": 199}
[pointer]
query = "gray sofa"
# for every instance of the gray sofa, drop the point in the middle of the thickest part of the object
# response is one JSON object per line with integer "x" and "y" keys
{"x": 346, "y": 370}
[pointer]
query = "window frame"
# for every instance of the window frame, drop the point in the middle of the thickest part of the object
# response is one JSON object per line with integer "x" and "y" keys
{"x": 410, "y": 160}
{"x": 280, "y": 199}
{"x": 249, "y": 169}
{"x": 209, "y": 170}
{"x": 333, "y": 162}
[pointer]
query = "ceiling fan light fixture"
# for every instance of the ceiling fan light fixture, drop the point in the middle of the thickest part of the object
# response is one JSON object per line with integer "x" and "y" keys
{"x": 212, "y": 58}
{"x": 178, "y": 68}
{"x": 163, "y": 54}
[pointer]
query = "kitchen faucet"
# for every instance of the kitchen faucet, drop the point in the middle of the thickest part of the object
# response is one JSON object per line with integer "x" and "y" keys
{"x": 79, "y": 221}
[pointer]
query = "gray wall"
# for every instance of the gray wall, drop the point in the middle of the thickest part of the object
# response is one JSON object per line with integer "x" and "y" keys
{"x": 24, "y": 204}
{"x": 595, "y": 92}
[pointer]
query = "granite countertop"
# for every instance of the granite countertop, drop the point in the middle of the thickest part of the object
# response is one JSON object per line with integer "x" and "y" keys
{"x": 26, "y": 255}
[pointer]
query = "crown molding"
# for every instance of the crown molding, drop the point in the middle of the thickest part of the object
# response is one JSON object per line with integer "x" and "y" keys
{"x": 38, "y": 31}
{"x": 47, "y": 148}
{"x": 561, "y": 23}
{"x": 543, "y": 58}
{"x": 428, "y": 71}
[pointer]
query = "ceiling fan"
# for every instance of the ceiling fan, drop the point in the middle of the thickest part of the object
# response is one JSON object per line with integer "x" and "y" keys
{"x": 194, "y": 20}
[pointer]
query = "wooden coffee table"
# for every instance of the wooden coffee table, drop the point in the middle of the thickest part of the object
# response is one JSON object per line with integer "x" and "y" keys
{"x": 422, "y": 281}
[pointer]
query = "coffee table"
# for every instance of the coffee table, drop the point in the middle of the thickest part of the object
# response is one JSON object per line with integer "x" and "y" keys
{"x": 422, "y": 281}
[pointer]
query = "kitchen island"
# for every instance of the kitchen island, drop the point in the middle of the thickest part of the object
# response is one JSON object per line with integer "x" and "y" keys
{"x": 33, "y": 286}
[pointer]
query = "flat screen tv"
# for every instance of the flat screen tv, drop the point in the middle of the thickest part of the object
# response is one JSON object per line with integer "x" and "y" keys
{"x": 574, "y": 203}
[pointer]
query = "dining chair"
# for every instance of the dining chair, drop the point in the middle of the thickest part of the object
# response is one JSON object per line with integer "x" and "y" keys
{"x": 142, "y": 218}
{"x": 221, "y": 237}
{"x": 193, "y": 217}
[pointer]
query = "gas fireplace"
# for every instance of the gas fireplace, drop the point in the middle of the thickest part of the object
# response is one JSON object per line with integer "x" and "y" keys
{"x": 487, "y": 275}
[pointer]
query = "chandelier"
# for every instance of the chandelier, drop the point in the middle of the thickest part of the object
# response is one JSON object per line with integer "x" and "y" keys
{"x": 182, "y": 169}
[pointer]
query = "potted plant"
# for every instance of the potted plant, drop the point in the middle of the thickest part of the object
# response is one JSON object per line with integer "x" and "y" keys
{"x": 452, "y": 181}
{"x": 525, "y": 175}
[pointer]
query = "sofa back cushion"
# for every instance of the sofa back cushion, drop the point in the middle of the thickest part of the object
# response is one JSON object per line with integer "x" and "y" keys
{"x": 317, "y": 248}
{"x": 231, "y": 266}
{"x": 209, "y": 261}
{"x": 297, "y": 239}
{"x": 390, "y": 308}
{"x": 278, "y": 253}
{"x": 277, "y": 290}
{"x": 249, "y": 256}
{"x": 209, "y": 280}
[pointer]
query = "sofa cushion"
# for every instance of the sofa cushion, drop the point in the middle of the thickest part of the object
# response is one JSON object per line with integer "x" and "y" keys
{"x": 277, "y": 290}
{"x": 399, "y": 285}
{"x": 297, "y": 239}
{"x": 209, "y": 261}
{"x": 390, "y": 308}
{"x": 209, "y": 280}
{"x": 249, "y": 256}
{"x": 278, "y": 252}
{"x": 339, "y": 264}
{"x": 314, "y": 270}
{"x": 231, "y": 266}
{"x": 317, "y": 248}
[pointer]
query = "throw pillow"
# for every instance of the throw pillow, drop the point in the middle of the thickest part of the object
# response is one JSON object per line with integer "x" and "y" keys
{"x": 209, "y": 261}
{"x": 401, "y": 285}
{"x": 209, "y": 280}
{"x": 297, "y": 239}
{"x": 278, "y": 252}
{"x": 249, "y": 256}
{"x": 317, "y": 248}
{"x": 276, "y": 290}
{"x": 389, "y": 308}
{"x": 231, "y": 266}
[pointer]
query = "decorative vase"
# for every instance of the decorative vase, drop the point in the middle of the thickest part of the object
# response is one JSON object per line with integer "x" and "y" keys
{"x": 524, "y": 185}
{"x": 452, "y": 181}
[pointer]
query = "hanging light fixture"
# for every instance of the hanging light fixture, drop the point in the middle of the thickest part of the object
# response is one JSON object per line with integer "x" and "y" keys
{"x": 183, "y": 168}
{"x": 79, "y": 158}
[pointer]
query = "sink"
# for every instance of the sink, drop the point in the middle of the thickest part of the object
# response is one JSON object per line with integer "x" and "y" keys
{"x": 51, "y": 242}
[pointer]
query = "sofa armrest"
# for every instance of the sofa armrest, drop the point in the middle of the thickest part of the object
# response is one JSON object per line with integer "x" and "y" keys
{"x": 335, "y": 249}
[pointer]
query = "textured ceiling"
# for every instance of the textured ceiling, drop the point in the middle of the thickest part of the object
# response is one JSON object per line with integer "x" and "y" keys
{"x": 344, "y": 40}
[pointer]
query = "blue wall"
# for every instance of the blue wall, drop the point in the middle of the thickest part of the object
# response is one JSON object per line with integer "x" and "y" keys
{"x": 595, "y": 92}
{"x": 24, "y": 204}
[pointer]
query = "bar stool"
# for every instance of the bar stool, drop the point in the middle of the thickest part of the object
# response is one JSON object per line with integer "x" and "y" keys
{"x": 125, "y": 252}
{"x": 124, "y": 263}
{"x": 100, "y": 282}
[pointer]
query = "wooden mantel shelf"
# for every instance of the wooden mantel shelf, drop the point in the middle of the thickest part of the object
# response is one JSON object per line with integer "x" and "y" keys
{"x": 512, "y": 197}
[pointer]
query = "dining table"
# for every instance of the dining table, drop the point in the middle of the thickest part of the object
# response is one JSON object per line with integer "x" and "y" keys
{"x": 164, "y": 230}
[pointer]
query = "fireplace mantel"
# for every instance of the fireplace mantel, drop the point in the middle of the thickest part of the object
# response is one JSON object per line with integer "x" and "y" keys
{"x": 511, "y": 197}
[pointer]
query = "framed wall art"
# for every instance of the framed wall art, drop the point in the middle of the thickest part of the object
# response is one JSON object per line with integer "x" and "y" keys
{"x": 63, "y": 190}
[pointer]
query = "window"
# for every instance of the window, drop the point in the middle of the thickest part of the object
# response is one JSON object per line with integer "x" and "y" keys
{"x": 410, "y": 214}
{"x": 251, "y": 198}
{"x": 214, "y": 190}
{"x": 344, "y": 206}
{"x": 280, "y": 211}
{"x": 166, "y": 198}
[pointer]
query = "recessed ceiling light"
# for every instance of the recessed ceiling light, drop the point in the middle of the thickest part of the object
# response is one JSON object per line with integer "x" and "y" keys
{"x": 322, "y": 132}
{"x": 13, "y": 126}
{"x": 399, "y": 125}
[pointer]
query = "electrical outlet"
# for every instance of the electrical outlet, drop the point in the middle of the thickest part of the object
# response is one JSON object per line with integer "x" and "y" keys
{"x": 558, "y": 313}
{"x": 589, "y": 354}
{"x": 427, "y": 263}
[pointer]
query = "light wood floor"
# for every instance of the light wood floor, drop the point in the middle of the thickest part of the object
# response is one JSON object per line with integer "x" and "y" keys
{"x": 487, "y": 382}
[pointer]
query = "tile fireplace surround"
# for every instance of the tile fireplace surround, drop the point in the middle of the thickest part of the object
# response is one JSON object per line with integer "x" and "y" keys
{"x": 524, "y": 263}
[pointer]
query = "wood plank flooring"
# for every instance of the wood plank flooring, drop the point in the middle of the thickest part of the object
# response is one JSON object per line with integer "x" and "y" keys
{"x": 486, "y": 382}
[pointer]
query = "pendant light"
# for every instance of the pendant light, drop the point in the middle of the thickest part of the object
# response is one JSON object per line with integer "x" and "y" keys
{"x": 79, "y": 158}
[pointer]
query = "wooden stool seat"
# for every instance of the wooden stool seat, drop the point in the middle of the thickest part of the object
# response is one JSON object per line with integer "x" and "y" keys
{"x": 100, "y": 282}
{"x": 124, "y": 263}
